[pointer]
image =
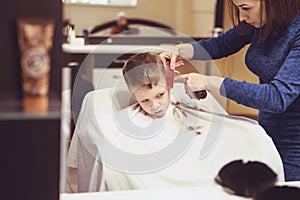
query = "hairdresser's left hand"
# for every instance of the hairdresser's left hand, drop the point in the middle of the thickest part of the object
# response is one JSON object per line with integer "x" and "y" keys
{"x": 171, "y": 60}
{"x": 175, "y": 58}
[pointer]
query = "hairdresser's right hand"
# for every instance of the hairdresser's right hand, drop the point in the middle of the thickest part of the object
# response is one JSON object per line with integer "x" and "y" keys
{"x": 184, "y": 51}
{"x": 192, "y": 82}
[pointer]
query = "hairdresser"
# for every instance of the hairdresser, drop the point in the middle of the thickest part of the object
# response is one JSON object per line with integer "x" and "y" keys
{"x": 272, "y": 29}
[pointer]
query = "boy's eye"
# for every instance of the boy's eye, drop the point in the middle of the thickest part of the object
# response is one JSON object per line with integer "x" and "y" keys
{"x": 160, "y": 94}
{"x": 144, "y": 101}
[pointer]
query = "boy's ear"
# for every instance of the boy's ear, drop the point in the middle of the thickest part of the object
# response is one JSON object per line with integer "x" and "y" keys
{"x": 132, "y": 99}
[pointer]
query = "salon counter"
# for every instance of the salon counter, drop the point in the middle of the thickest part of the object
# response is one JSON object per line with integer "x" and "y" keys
{"x": 114, "y": 49}
{"x": 207, "y": 191}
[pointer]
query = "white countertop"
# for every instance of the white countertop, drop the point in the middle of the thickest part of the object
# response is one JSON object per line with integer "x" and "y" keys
{"x": 211, "y": 192}
{"x": 195, "y": 193}
{"x": 115, "y": 49}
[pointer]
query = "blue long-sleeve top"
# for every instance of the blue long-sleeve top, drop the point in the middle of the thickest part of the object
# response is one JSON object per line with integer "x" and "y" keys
{"x": 276, "y": 62}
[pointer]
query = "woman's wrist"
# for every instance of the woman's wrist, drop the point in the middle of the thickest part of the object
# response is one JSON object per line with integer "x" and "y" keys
{"x": 185, "y": 50}
{"x": 213, "y": 83}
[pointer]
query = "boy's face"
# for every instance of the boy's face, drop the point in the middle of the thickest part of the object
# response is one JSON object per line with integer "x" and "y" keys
{"x": 154, "y": 101}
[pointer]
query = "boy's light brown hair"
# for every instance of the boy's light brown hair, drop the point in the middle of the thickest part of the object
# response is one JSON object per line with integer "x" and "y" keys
{"x": 144, "y": 70}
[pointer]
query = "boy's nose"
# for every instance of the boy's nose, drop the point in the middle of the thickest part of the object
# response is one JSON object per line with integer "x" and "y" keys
{"x": 155, "y": 106}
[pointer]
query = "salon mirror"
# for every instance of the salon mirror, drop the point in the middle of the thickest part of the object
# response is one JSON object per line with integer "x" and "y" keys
{"x": 196, "y": 18}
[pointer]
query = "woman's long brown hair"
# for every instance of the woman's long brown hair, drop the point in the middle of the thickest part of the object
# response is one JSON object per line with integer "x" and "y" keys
{"x": 279, "y": 14}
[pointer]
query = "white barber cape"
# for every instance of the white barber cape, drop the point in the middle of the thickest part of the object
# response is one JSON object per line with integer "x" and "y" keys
{"x": 120, "y": 148}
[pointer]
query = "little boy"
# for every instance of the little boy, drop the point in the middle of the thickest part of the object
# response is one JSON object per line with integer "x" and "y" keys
{"x": 145, "y": 76}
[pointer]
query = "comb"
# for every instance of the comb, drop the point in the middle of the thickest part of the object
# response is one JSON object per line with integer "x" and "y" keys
{"x": 169, "y": 77}
{"x": 201, "y": 94}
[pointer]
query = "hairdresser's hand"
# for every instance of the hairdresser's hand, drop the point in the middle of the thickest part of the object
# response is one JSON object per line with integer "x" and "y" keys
{"x": 192, "y": 82}
{"x": 185, "y": 51}
{"x": 197, "y": 82}
{"x": 174, "y": 60}
{"x": 171, "y": 60}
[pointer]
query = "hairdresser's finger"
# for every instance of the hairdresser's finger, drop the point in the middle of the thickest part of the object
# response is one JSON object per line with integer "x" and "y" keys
{"x": 188, "y": 90}
{"x": 165, "y": 57}
{"x": 173, "y": 61}
{"x": 180, "y": 78}
{"x": 179, "y": 63}
{"x": 176, "y": 72}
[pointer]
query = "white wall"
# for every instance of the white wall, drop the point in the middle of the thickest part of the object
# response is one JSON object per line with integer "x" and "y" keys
{"x": 203, "y": 15}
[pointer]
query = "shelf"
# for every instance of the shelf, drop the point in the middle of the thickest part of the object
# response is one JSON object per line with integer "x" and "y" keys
{"x": 115, "y": 49}
{"x": 13, "y": 110}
